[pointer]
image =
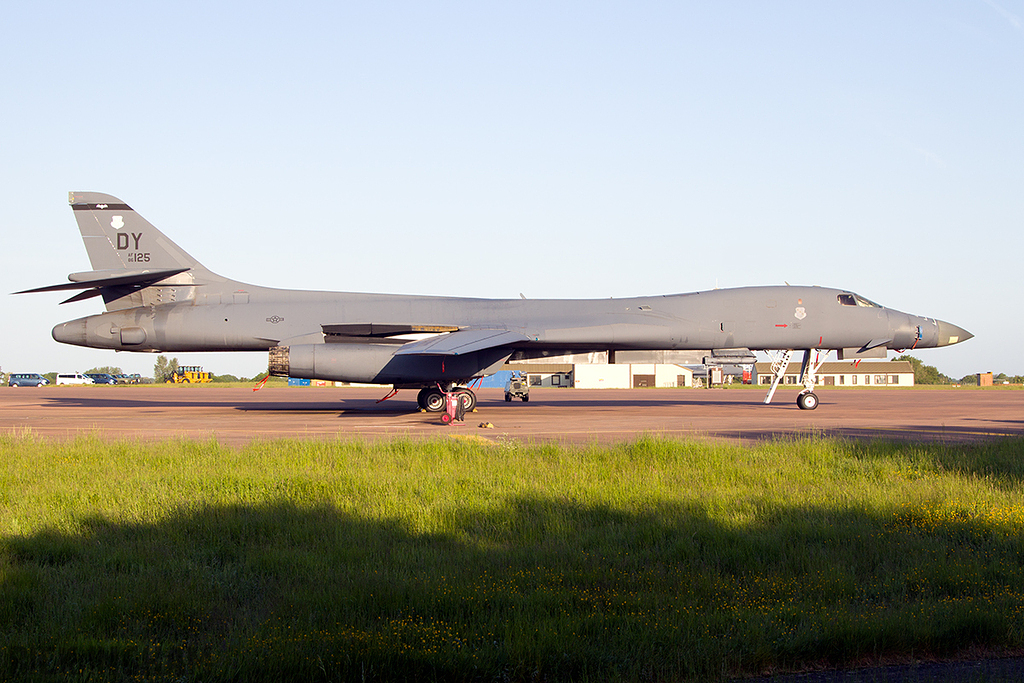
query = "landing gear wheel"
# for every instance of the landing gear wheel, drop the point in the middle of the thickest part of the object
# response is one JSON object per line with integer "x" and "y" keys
{"x": 807, "y": 401}
{"x": 468, "y": 399}
{"x": 433, "y": 400}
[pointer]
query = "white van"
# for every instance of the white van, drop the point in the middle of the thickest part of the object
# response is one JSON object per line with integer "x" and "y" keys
{"x": 73, "y": 378}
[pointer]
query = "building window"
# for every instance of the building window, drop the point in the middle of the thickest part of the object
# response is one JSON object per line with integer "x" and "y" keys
{"x": 879, "y": 379}
{"x": 842, "y": 379}
{"x": 894, "y": 379}
{"x": 853, "y": 379}
{"x": 867, "y": 379}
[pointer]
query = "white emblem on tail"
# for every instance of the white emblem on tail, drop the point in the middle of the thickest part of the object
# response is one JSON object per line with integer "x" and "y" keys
{"x": 800, "y": 313}
{"x": 117, "y": 222}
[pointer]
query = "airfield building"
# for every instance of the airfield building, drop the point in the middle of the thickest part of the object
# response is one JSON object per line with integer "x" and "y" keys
{"x": 845, "y": 373}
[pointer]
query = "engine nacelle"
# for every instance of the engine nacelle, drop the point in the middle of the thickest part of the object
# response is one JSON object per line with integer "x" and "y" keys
{"x": 378, "y": 364}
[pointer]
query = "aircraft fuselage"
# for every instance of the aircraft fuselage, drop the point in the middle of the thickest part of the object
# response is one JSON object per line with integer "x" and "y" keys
{"x": 756, "y": 318}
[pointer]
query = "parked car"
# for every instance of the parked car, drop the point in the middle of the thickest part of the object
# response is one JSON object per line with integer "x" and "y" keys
{"x": 26, "y": 379}
{"x": 73, "y": 378}
{"x": 101, "y": 378}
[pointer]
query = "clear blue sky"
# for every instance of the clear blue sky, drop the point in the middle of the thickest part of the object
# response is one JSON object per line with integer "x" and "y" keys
{"x": 613, "y": 149}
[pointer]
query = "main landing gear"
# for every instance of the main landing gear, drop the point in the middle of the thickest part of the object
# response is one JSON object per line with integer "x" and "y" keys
{"x": 807, "y": 399}
{"x": 431, "y": 399}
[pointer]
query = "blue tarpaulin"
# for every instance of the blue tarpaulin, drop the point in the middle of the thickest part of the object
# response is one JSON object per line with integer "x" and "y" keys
{"x": 497, "y": 380}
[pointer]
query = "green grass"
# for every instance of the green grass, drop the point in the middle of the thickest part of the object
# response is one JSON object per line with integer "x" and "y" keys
{"x": 455, "y": 560}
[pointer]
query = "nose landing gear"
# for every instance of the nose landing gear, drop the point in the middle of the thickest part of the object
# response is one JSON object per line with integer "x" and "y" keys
{"x": 807, "y": 399}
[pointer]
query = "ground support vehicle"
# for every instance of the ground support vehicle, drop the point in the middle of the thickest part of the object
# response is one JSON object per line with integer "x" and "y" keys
{"x": 190, "y": 374}
{"x": 517, "y": 387}
{"x": 455, "y": 407}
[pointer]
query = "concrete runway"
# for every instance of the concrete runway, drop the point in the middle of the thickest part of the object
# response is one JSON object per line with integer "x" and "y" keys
{"x": 238, "y": 415}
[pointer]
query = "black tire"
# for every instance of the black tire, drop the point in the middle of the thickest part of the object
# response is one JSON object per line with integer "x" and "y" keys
{"x": 508, "y": 398}
{"x": 468, "y": 399}
{"x": 526, "y": 399}
{"x": 807, "y": 401}
{"x": 433, "y": 401}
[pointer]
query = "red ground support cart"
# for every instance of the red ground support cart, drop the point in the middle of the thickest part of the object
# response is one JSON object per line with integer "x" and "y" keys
{"x": 455, "y": 407}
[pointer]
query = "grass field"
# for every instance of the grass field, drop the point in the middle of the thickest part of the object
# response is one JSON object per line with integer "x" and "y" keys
{"x": 457, "y": 560}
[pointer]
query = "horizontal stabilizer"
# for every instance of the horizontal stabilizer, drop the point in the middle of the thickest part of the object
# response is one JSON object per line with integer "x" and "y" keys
{"x": 83, "y": 295}
{"x": 461, "y": 342}
{"x": 117, "y": 278}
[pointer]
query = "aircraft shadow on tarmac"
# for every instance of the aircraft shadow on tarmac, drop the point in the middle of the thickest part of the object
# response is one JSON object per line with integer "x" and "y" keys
{"x": 391, "y": 406}
{"x": 363, "y": 405}
{"x": 667, "y": 403}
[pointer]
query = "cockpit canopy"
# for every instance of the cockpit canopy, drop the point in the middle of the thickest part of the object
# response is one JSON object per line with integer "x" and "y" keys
{"x": 856, "y": 300}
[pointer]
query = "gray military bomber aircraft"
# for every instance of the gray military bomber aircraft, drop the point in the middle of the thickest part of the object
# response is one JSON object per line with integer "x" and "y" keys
{"x": 160, "y": 299}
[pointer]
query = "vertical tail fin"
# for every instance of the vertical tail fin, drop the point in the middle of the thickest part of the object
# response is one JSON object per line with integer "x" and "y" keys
{"x": 117, "y": 238}
{"x": 122, "y": 244}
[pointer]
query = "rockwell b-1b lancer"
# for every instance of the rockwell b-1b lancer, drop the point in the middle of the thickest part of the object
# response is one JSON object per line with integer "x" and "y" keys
{"x": 158, "y": 298}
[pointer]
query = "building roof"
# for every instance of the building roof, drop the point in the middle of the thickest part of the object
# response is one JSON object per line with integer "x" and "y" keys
{"x": 543, "y": 368}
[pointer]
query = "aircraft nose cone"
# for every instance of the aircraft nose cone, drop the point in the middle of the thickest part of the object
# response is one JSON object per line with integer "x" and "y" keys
{"x": 72, "y": 332}
{"x": 951, "y": 334}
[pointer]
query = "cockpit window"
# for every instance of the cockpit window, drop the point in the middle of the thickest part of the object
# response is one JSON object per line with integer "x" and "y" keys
{"x": 856, "y": 300}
